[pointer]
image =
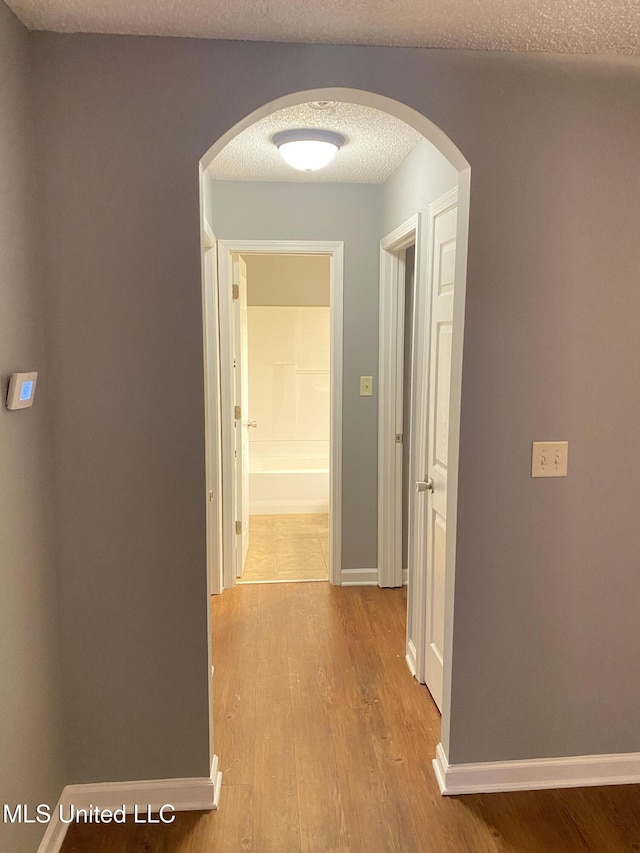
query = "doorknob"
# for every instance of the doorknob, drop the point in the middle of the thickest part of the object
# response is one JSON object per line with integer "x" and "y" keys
{"x": 424, "y": 485}
{"x": 252, "y": 424}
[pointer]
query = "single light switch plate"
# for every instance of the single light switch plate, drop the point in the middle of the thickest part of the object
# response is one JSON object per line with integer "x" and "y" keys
{"x": 366, "y": 386}
{"x": 549, "y": 458}
{"x": 22, "y": 387}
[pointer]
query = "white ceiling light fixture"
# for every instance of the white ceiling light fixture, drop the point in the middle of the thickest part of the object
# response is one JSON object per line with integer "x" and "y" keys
{"x": 308, "y": 149}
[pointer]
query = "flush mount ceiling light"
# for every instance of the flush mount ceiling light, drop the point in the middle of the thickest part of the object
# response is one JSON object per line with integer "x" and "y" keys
{"x": 309, "y": 149}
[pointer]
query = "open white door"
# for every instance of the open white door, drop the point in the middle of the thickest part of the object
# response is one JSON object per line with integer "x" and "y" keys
{"x": 241, "y": 411}
{"x": 442, "y": 239}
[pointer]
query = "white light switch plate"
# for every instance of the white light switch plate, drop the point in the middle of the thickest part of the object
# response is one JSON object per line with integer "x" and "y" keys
{"x": 366, "y": 386}
{"x": 549, "y": 458}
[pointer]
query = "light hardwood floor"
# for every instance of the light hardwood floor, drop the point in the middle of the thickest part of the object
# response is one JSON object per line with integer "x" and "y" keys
{"x": 325, "y": 743}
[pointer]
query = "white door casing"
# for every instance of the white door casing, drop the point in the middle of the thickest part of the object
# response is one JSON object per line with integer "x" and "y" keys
{"x": 390, "y": 400}
{"x": 211, "y": 396}
{"x": 442, "y": 246}
{"x": 226, "y": 250}
{"x": 212, "y": 442}
{"x": 241, "y": 405}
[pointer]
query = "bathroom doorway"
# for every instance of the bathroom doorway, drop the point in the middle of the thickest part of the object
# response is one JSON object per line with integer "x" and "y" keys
{"x": 280, "y": 354}
{"x": 285, "y": 356}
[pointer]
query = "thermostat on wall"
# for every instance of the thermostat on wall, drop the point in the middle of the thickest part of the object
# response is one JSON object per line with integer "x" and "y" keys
{"x": 22, "y": 387}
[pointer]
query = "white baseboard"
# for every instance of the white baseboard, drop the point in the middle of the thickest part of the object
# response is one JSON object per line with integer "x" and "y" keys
{"x": 307, "y": 507}
{"x": 574, "y": 771}
{"x": 365, "y": 577}
{"x": 53, "y": 838}
{"x": 359, "y": 577}
{"x": 284, "y": 580}
{"x": 411, "y": 658}
{"x": 197, "y": 794}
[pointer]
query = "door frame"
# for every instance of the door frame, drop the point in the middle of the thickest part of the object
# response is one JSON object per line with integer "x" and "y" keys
{"x": 241, "y": 437}
{"x": 390, "y": 455}
{"x": 335, "y": 250}
{"x": 212, "y": 438}
{"x": 212, "y": 446}
{"x": 390, "y": 396}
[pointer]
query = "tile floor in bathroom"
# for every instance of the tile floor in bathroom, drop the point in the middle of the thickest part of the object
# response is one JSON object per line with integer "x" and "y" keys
{"x": 287, "y": 548}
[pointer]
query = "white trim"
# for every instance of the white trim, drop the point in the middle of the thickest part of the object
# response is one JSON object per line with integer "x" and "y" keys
{"x": 390, "y": 398}
{"x": 359, "y": 577}
{"x": 197, "y": 794}
{"x": 53, "y": 839}
{"x": 335, "y": 441}
{"x": 211, "y": 395}
{"x": 335, "y": 249}
{"x": 288, "y": 507}
{"x": 284, "y": 580}
{"x": 455, "y": 396}
{"x": 225, "y": 325}
{"x": 213, "y": 483}
{"x": 410, "y": 657}
{"x": 575, "y": 771}
{"x": 208, "y": 237}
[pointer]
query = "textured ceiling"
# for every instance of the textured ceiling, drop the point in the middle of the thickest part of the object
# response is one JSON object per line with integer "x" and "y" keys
{"x": 573, "y": 26}
{"x": 375, "y": 144}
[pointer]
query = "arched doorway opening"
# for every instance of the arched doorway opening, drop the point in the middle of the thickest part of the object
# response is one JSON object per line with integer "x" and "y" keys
{"x": 437, "y": 235}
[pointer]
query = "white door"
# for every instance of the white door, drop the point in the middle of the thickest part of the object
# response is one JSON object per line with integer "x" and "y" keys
{"x": 241, "y": 403}
{"x": 442, "y": 237}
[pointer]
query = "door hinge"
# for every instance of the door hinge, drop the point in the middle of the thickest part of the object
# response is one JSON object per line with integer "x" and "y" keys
{"x": 237, "y": 413}
{"x": 235, "y": 291}
{"x": 238, "y": 527}
{"x": 398, "y": 438}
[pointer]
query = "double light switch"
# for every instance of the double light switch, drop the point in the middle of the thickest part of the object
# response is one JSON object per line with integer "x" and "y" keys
{"x": 549, "y": 458}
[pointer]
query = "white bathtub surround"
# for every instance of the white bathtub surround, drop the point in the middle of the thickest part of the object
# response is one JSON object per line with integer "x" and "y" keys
{"x": 289, "y": 373}
{"x": 290, "y": 403}
{"x": 289, "y": 492}
{"x": 282, "y": 481}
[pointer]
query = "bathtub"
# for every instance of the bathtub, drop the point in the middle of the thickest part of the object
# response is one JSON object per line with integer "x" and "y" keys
{"x": 284, "y": 485}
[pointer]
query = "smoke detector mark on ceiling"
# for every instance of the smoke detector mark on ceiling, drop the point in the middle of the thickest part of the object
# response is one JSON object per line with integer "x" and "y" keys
{"x": 325, "y": 106}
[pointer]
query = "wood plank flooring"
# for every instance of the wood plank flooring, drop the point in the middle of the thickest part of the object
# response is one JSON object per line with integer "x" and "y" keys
{"x": 325, "y": 743}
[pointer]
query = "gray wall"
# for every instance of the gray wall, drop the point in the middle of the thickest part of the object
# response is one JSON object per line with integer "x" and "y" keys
{"x": 422, "y": 177}
{"x": 546, "y": 631}
{"x": 31, "y": 768}
{"x": 352, "y": 213}
{"x": 122, "y": 253}
{"x": 302, "y": 280}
